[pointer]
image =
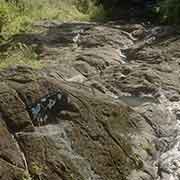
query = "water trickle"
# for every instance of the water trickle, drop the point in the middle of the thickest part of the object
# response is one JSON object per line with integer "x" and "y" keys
{"x": 137, "y": 100}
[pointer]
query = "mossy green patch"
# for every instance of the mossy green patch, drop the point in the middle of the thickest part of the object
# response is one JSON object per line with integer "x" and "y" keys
{"x": 36, "y": 169}
{"x": 26, "y": 176}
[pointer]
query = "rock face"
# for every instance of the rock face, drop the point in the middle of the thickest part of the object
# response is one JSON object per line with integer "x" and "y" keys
{"x": 106, "y": 105}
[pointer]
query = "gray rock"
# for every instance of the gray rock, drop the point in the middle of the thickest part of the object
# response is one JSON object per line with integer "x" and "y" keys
{"x": 104, "y": 106}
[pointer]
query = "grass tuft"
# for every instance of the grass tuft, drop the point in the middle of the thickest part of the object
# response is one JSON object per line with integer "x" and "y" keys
{"x": 20, "y": 55}
{"x": 15, "y": 18}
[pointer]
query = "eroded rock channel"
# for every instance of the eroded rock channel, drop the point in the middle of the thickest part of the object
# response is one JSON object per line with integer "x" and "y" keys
{"x": 106, "y": 105}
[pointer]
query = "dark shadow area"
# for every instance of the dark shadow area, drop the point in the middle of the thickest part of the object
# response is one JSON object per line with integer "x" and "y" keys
{"x": 131, "y": 10}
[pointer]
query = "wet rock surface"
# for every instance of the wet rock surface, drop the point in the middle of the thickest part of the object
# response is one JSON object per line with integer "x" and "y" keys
{"x": 105, "y": 106}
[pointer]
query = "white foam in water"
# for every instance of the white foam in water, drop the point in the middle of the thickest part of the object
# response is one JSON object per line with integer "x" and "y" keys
{"x": 169, "y": 161}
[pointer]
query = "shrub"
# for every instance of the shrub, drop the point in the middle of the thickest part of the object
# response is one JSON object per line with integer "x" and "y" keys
{"x": 20, "y": 54}
{"x": 18, "y": 15}
{"x": 12, "y": 18}
{"x": 170, "y": 11}
{"x": 4, "y": 15}
{"x": 98, "y": 13}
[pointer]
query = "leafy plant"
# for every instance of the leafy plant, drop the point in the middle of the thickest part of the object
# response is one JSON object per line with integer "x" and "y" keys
{"x": 26, "y": 176}
{"x": 17, "y": 16}
{"x": 170, "y": 11}
{"x": 19, "y": 54}
{"x": 3, "y": 15}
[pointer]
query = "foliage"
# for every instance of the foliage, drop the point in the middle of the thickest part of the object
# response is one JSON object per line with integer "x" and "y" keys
{"x": 18, "y": 17}
{"x": 26, "y": 176}
{"x": 83, "y": 5}
{"x": 12, "y": 19}
{"x": 95, "y": 10}
{"x": 36, "y": 169}
{"x": 167, "y": 10}
{"x": 170, "y": 11}
{"x": 98, "y": 13}
{"x": 19, "y": 54}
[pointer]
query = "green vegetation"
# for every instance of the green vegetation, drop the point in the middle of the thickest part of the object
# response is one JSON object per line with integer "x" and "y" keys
{"x": 18, "y": 16}
{"x": 170, "y": 11}
{"x": 36, "y": 170}
{"x": 26, "y": 176}
{"x": 19, "y": 54}
{"x": 167, "y": 10}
